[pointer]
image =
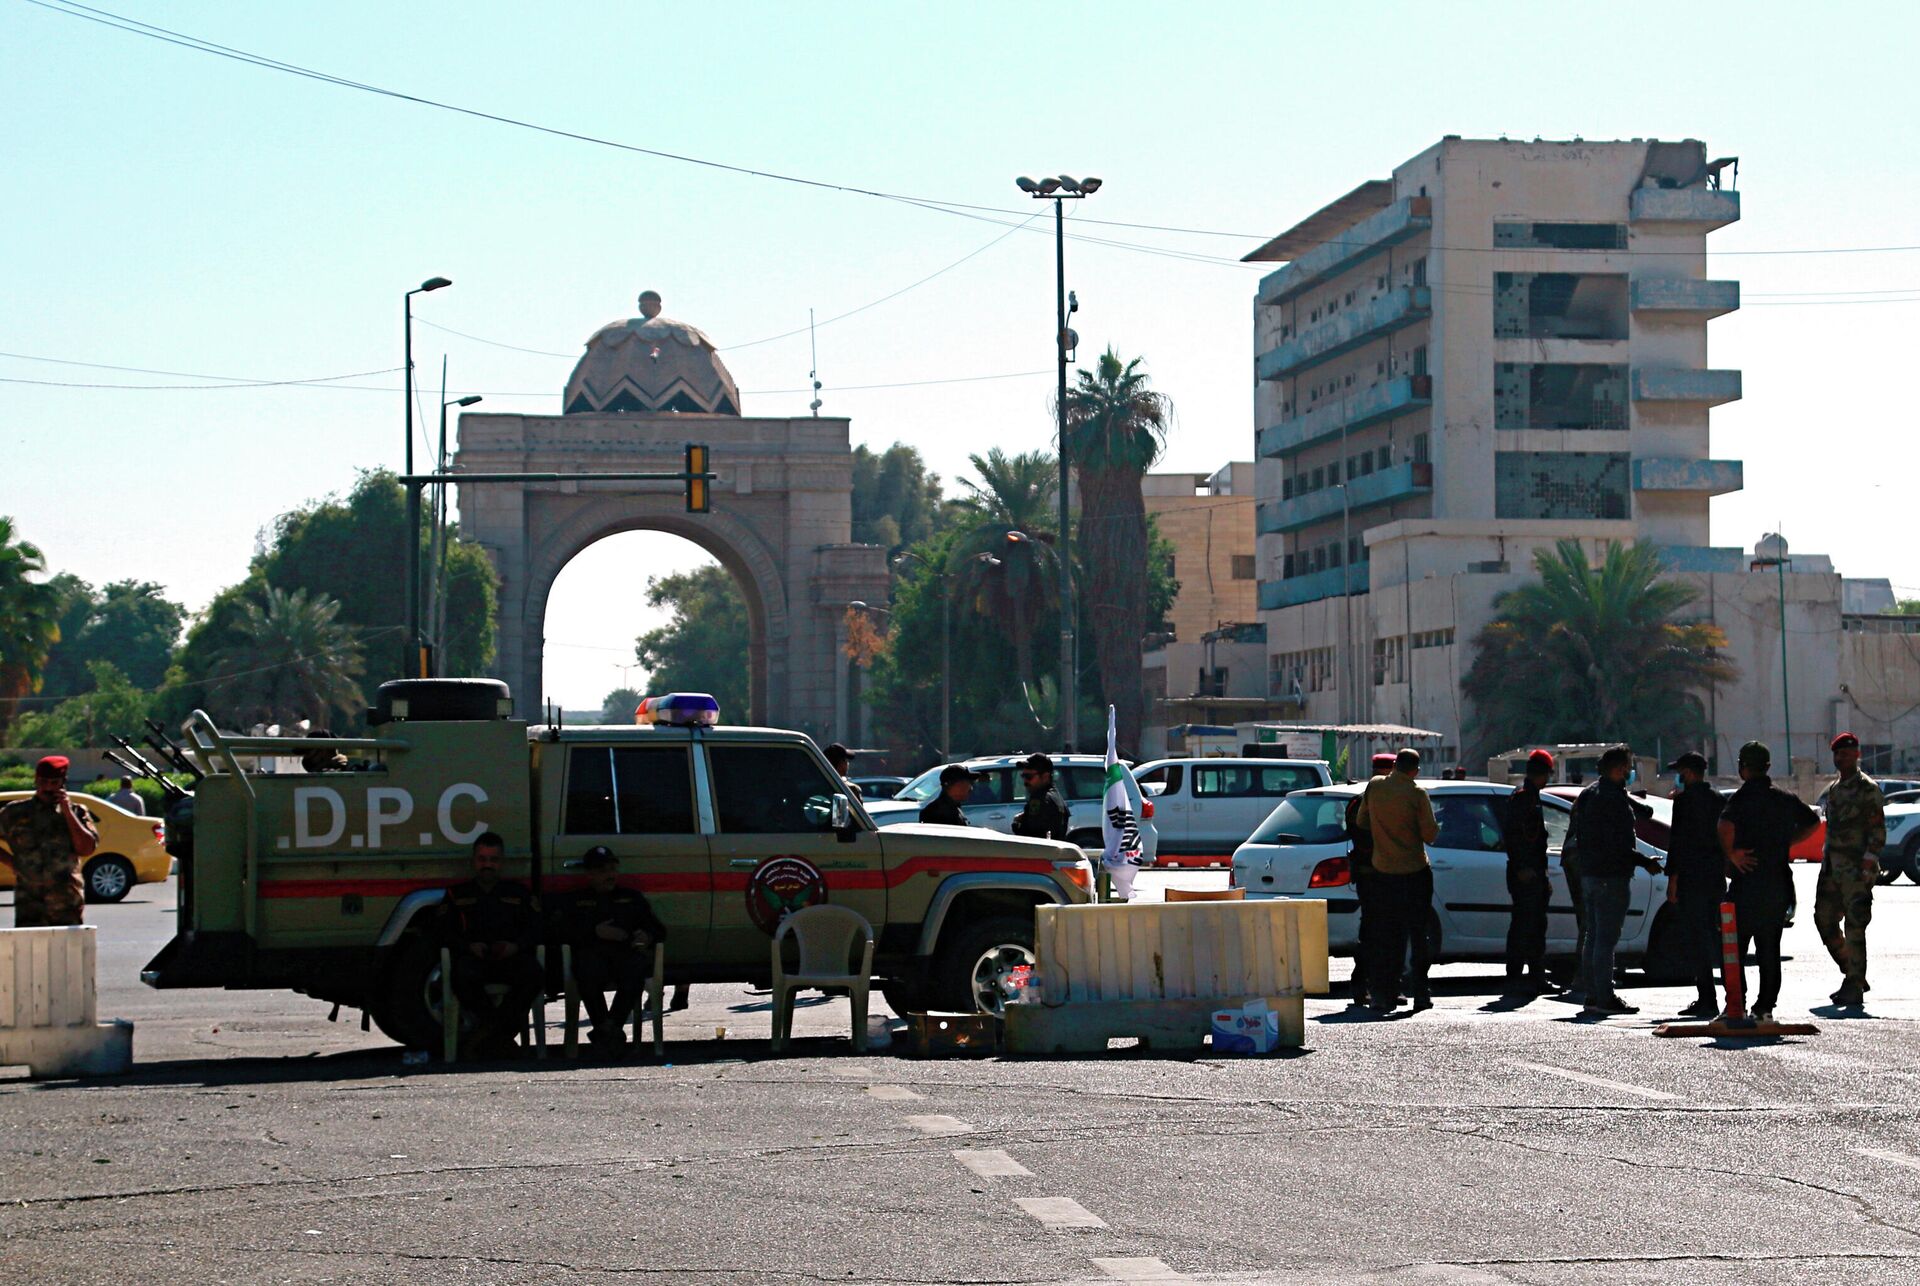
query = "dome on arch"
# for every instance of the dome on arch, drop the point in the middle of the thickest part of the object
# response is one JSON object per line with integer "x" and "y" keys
{"x": 650, "y": 365}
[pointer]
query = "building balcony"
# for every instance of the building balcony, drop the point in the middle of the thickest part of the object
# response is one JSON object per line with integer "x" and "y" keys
{"x": 1395, "y": 482}
{"x": 1371, "y": 406}
{"x": 1698, "y": 477}
{"x": 1393, "y": 311}
{"x": 1400, "y": 221}
{"x": 1683, "y": 298}
{"x": 1684, "y": 384}
{"x": 1683, "y": 209}
{"x": 1331, "y": 583}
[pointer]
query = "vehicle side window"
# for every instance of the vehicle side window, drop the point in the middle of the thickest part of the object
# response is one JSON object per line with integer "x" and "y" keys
{"x": 1169, "y": 774}
{"x": 590, "y": 791}
{"x": 1558, "y": 820}
{"x": 654, "y": 793}
{"x": 990, "y": 789}
{"x": 1213, "y": 783}
{"x": 1284, "y": 780}
{"x": 1467, "y": 822}
{"x": 770, "y": 790}
{"x": 1090, "y": 782}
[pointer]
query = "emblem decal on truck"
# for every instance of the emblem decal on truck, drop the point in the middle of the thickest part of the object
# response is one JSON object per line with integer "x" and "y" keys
{"x": 780, "y": 886}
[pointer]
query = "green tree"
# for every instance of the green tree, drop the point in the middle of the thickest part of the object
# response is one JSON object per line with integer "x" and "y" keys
{"x": 29, "y": 621}
{"x": 619, "y": 706}
{"x": 111, "y": 703}
{"x": 1907, "y": 607}
{"x": 704, "y": 646}
{"x": 294, "y": 660}
{"x": 896, "y": 501}
{"x": 131, "y": 624}
{"x": 1017, "y": 491}
{"x": 1116, "y": 428}
{"x": 1592, "y": 654}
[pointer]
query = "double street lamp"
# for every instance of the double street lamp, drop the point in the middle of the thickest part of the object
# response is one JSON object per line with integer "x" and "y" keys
{"x": 1059, "y": 191}
{"x": 414, "y": 663}
{"x": 437, "y": 555}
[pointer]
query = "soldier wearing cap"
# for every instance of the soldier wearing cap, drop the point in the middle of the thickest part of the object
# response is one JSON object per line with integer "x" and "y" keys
{"x": 1758, "y": 830}
{"x": 48, "y": 838}
{"x": 1696, "y": 876}
{"x": 956, "y": 784}
{"x": 490, "y": 927}
{"x": 1843, "y": 902}
{"x": 1045, "y": 816}
{"x": 1525, "y": 839}
{"x": 611, "y": 931}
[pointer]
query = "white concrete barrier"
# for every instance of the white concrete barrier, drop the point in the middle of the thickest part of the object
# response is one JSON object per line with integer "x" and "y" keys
{"x": 48, "y": 1006}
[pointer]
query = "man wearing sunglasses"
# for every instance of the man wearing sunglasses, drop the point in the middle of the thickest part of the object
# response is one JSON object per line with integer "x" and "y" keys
{"x": 1045, "y": 816}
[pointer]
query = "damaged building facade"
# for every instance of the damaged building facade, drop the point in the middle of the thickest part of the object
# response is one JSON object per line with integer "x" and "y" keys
{"x": 1502, "y": 346}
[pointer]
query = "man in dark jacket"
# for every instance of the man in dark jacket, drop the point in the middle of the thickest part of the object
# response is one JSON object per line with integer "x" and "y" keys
{"x": 956, "y": 785}
{"x": 1696, "y": 877}
{"x": 1758, "y": 829}
{"x": 611, "y": 931}
{"x": 1526, "y": 844}
{"x": 1045, "y": 816}
{"x": 490, "y": 927}
{"x": 1605, "y": 820}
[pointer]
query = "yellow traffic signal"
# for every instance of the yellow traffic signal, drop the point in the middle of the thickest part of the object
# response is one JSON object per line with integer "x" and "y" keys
{"x": 699, "y": 501}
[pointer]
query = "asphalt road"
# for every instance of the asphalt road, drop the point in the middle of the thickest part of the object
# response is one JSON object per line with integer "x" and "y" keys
{"x": 1476, "y": 1143}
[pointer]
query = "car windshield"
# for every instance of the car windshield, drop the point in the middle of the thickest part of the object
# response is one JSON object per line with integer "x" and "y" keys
{"x": 1314, "y": 819}
{"x": 923, "y": 787}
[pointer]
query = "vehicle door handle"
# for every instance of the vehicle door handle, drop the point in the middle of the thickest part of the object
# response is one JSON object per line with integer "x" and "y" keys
{"x": 743, "y": 863}
{"x": 1441, "y": 866}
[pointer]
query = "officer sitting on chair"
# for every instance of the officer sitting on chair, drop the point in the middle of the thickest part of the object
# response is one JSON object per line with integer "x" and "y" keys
{"x": 612, "y": 932}
{"x": 490, "y": 928}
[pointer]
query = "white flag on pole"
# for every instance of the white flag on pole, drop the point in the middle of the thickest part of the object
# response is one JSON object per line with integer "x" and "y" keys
{"x": 1119, "y": 831}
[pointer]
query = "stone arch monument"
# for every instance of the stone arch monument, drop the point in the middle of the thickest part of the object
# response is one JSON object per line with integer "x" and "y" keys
{"x": 781, "y": 523}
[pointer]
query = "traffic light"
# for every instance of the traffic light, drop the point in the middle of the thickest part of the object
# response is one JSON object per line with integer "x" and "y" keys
{"x": 699, "y": 500}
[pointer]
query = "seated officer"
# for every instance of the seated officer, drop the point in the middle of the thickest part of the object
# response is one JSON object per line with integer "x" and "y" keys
{"x": 490, "y": 927}
{"x": 612, "y": 931}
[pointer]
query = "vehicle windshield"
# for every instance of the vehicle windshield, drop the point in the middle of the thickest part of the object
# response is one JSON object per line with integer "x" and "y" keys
{"x": 1315, "y": 819}
{"x": 922, "y": 788}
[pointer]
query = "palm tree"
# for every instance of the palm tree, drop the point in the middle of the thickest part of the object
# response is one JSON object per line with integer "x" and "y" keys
{"x": 1007, "y": 575}
{"x": 1015, "y": 491}
{"x": 294, "y": 661}
{"x": 1116, "y": 428}
{"x": 29, "y": 621}
{"x": 1591, "y": 654}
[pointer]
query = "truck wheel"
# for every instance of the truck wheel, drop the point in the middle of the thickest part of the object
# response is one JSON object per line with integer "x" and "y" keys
{"x": 905, "y": 995}
{"x": 982, "y": 963}
{"x": 109, "y": 878}
{"x": 409, "y": 1008}
{"x": 1910, "y": 860}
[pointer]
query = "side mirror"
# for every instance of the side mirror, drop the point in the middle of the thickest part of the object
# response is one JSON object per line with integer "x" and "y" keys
{"x": 842, "y": 818}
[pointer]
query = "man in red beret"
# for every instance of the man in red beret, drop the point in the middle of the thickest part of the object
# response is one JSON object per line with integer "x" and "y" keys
{"x": 48, "y": 839}
{"x": 1843, "y": 899}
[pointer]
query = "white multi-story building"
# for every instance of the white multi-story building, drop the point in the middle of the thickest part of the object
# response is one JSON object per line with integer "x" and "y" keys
{"x": 1502, "y": 346}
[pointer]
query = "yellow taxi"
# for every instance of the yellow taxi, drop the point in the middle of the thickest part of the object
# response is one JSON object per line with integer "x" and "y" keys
{"x": 132, "y": 849}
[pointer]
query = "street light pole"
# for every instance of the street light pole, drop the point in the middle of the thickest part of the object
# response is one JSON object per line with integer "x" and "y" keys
{"x": 1778, "y": 561}
{"x": 437, "y": 554}
{"x": 1059, "y": 191}
{"x": 413, "y": 663}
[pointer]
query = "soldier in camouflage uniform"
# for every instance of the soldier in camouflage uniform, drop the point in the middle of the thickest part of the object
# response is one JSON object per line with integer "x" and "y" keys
{"x": 48, "y": 838}
{"x": 1856, "y": 832}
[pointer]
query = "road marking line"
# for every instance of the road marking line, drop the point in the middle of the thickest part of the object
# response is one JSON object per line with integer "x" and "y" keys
{"x": 891, "y": 1093}
{"x": 1060, "y": 1212}
{"x": 936, "y": 1124}
{"x": 1892, "y": 1158}
{"x": 1599, "y": 1082}
{"x": 991, "y": 1163}
{"x": 1139, "y": 1270}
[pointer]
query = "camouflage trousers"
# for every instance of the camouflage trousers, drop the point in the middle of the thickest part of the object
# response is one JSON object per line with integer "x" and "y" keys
{"x": 1842, "y": 906}
{"x": 48, "y": 906}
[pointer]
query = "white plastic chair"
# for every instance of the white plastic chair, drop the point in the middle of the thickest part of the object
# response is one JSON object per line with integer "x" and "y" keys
{"x": 826, "y": 935}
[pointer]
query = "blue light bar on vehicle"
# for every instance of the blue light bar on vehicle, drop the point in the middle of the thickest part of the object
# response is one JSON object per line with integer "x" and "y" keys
{"x": 678, "y": 710}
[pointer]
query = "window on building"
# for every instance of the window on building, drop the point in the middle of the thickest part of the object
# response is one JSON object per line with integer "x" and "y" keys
{"x": 1559, "y": 305}
{"x": 1333, "y": 555}
{"x": 1420, "y": 271}
{"x": 1420, "y": 359}
{"x": 1320, "y": 559}
{"x": 1559, "y": 395}
{"x": 1366, "y": 463}
{"x": 1353, "y": 549}
{"x": 1243, "y": 567}
{"x": 1560, "y": 236}
{"x": 1383, "y": 458}
{"x": 1420, "y": 448}
{"x": 1319, "y": 477}
{"x": 1169, "y": 565}
{"x": 1389, "y": 661}
{"x": 1561, "y": 485}
{"x": 1349, "y": 299}
{"x": 1286, "y": 488}
{"x": 1286, "y": 567}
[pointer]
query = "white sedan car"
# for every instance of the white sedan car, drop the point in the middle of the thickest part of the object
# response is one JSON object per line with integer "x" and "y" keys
{"x": 999, "y": 795}
{"x": 1301, "y": 851}
{"x": 1901, "y": 856}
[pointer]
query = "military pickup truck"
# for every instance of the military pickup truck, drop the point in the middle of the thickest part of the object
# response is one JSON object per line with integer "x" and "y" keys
{"x": 324, "y": 882}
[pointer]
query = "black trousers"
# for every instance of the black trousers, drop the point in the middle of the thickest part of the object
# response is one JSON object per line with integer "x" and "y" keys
{"x": 1761, "y": 935}
{"x": 1527, "y": 928}
{"x": 1403, "y": 903}
{"x": 520, "y": 974}
{"x": 1363, "y": 889}
{"x": 617, "y": 968}
{"x": 1699, "y": 925}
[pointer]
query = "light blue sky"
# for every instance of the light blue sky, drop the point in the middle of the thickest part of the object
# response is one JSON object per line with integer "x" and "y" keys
{"x": 170, "y": 210}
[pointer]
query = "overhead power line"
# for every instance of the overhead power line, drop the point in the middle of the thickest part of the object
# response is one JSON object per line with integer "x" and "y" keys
{"x": 166, "y": 35}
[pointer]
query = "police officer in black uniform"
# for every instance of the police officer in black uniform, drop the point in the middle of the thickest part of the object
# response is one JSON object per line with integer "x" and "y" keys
{"x": 1758, "y": 829}
{"x": 1696, "y": 877}
{"x": 1525, "y": 839}
{"x": 1045, "y": 816}
{"x": 956, "y": 784}
{"x": 611, "y": 931}
{"x": 490, "y": 927}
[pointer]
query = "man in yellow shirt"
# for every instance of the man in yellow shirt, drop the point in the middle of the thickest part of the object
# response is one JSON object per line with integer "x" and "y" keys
{"x": 1400, "y": 817}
